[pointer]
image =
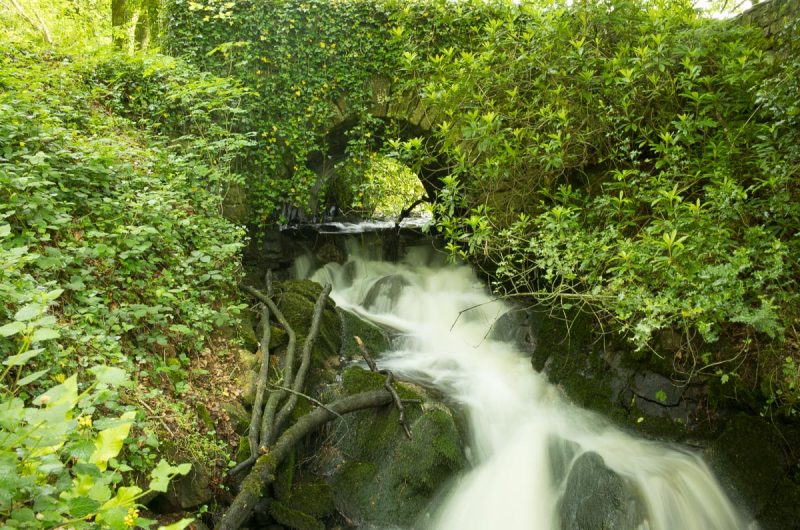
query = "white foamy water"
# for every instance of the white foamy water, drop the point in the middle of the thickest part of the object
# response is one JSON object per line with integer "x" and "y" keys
{"x": 525, "y": 435}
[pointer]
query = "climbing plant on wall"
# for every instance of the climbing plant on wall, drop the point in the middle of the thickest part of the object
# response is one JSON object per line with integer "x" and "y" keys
{"x": 313, "y": 64}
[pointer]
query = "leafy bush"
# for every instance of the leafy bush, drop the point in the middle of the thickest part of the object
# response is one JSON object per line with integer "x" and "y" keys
{"x": 115, "y": 260}
{"x": 58, "y": 450}
{"x": 635, "y": 160}
{"x": 140, "y": 249}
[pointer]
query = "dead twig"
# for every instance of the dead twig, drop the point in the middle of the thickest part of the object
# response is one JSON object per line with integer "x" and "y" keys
{"x": 387, "y": 384}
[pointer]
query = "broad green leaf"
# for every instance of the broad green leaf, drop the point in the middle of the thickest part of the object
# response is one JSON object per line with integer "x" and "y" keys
{"x": 110, "y": 375}
{"x": 22, "y": 358}
{"x": 80, "y": 507}
{"x": 11, "y": 329}
{"x": 5, "y": 229}
{"x": 108, "y": 443}
{"x": 32, "y": 377}
{"x": 180, "y": 525}
{"x": 125, "y": 497}
{"x": 43, "y": 334}
{"x": 180, "y": 328}
{"x": 66, "y": 392}
{"x": 113, "y": 517}
{"x": 52, "y": 295}
{"x": 163, "y": 472}
{"x": 28, "y": 312}
{"x": 160, "y": 475}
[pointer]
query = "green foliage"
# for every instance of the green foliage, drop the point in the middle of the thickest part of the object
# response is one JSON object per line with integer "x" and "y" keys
{"x": 316, "y": 66}
{"x": 115, "y": 261}
{"x": 58, "y": 449}
{"x": 199, "y": 113}
{"x": 300, "y": 58}
{"x": 70, "y": 25}
{"x": 631, "y": 158}
{"x": 125, "y": 229}
{"x": 380, "y": 187}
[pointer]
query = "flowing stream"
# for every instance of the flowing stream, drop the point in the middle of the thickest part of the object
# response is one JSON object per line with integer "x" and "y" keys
{"x": 526, "y": 437}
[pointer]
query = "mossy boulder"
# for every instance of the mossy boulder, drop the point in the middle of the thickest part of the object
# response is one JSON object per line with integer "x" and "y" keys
{"x": 375, "y": 339}
{"x": 239, "y": 417}
{"x": 388, "y": 479}
{"x": 748, "y": 459}
{"x": 296, "y": 299}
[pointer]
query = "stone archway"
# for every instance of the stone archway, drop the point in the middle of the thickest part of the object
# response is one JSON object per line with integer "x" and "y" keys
{"x": 409, "y": 117}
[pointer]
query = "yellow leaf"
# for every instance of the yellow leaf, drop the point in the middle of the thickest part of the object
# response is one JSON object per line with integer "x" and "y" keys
{"x": 109, "y": 441}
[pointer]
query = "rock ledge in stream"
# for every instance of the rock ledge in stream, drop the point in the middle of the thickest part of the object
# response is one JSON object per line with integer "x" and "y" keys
{"x": 388, "y": 479}
{"x": 596, "y": 498}
{"x": 361, "y": 469}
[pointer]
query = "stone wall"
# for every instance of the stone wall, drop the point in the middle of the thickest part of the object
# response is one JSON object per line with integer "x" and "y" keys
{"x": 779, "y": 20}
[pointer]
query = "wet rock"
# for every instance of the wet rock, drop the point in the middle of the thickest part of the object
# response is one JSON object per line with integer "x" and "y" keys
{"x": 751, "y": 466}
{"x": 596, "y": 498}
{"x": 330, "y": 253}
{"x": 387, "y": 478}
{"x": 375, "y": 339}
{"x": 384, "y": 292}
{"x": 517, "y": 326}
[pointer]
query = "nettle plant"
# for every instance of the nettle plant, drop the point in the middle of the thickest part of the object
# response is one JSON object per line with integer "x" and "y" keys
{"x": 636, "y": 161}
{"x": 115, "y": 259}
{"x": 59, "y": 443}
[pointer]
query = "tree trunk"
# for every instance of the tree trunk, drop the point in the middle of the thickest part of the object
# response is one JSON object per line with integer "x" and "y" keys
{"x": 121, "y": 15}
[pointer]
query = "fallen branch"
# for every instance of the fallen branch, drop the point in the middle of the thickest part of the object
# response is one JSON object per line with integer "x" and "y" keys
{"x": 261, "y": 386}
{"x": 263, "y": 472}
{"x": 268, "y": 418}
{"x": 300, "y": 378}
{"x": 263, "y": 376}
{"x": 387, "y": 384}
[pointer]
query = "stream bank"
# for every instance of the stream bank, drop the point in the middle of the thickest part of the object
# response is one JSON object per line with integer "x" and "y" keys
{"x": 331, "y": 480}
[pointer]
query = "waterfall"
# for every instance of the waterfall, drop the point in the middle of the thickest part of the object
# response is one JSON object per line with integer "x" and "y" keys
{"x": 530, "y": 449}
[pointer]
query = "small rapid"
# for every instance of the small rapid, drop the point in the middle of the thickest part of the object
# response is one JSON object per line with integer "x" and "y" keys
{"x": 526, "y": 437}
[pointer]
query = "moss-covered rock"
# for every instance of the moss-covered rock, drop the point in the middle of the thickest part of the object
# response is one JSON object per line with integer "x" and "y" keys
{"x": 750, "y": 464}
{"x": 375, "y": 339}
{"x": 314, "y": 498}
{"x": 296, "y": 300}
{"x": 291, "y": 518}
{"x": 388, "y": 478}
{"x": 239, "y": 417}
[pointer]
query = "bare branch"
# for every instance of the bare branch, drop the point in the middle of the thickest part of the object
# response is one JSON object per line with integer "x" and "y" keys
{"x": 300, "y": 378}
{"x": 263, "y": 472}
{"x": 40, "y": 27}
